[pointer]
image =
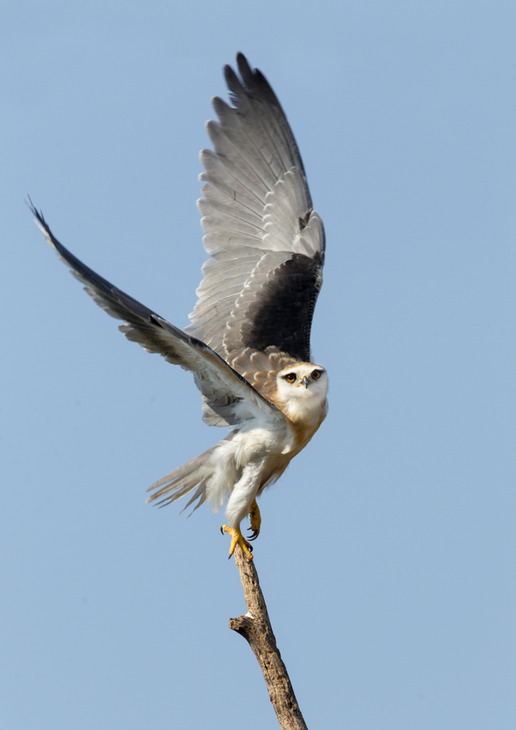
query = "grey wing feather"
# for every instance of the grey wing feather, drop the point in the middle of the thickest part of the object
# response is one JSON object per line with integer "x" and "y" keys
{"x": 229, "y": 398}
{"x": 266, "y": 243}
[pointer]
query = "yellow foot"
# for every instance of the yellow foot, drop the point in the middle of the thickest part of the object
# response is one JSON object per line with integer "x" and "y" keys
{"x": 237, "y": 539}
{"x": 256, "y": 520}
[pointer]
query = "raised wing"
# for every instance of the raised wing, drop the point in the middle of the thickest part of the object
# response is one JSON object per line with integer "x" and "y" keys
{"x": 266, "y": 243}
{"x": 229, "y": 397}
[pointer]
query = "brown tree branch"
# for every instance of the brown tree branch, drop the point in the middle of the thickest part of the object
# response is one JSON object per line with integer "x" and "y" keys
{"x": 255, "y": 627}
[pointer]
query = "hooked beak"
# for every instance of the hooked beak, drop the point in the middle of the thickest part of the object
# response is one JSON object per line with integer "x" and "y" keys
{"x": 305, "y": 381}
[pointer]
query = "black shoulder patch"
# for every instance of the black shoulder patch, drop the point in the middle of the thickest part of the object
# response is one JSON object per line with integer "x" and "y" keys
{"x": 281, "y": 315}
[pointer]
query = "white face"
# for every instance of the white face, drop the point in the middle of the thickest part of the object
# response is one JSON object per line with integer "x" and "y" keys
{"x": 303, "y": 380}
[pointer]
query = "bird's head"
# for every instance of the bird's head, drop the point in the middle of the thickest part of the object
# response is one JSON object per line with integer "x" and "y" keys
{"x": 302, "y": 383}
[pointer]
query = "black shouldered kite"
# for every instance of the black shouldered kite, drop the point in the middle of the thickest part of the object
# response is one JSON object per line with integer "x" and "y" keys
{"x": 248, "y": 343}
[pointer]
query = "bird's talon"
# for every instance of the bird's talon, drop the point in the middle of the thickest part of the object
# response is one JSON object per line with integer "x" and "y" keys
{"x": 256, "y": 520}
{"x": 238, "y": 539}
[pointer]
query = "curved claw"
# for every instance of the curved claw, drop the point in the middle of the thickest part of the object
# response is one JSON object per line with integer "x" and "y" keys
{"x": 256, "y": 520}
{"x": 237, "y": 539}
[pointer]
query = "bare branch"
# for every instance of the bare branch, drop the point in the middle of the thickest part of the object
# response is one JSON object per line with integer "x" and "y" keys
{"x": 255, "y": 627}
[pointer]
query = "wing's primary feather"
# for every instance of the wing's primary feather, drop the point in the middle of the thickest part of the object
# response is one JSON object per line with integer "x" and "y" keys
{"x": 265, "y": 241}
{"x": 229, "y": 396}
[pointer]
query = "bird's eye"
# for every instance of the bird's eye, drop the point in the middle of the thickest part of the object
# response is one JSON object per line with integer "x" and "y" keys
{"x": 316, "y": 374}
{"x": 290, "y": 377}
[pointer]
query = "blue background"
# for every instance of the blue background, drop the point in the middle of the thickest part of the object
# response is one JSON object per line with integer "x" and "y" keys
{"x": 388, "y": 549}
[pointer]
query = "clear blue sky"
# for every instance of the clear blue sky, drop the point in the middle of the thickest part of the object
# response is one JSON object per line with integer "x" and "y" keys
{"x": 388, "y": 554}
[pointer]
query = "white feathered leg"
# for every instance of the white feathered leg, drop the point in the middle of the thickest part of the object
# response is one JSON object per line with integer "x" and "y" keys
{"x": 239, "y": 503}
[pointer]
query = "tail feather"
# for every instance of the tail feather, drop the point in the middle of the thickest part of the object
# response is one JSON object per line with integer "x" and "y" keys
{"x": 181, "y": 481}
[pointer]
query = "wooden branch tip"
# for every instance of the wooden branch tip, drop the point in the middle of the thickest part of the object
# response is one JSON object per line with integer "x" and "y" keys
{"x": 256, "y": 628}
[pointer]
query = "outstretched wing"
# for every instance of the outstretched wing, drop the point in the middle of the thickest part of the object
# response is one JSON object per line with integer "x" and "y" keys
{"x": 266, "y": 243}
{"x": 229, "y": 396}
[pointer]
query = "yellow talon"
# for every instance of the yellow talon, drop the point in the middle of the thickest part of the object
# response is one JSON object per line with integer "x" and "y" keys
{"x": 237, "y": 539}
{"x": 256, "y": 520}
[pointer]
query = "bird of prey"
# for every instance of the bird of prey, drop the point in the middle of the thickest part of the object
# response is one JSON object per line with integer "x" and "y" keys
{"x": 248, "y": 341}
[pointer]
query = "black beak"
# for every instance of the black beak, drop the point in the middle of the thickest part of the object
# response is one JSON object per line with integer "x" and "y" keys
{"x": 305, "y": 381}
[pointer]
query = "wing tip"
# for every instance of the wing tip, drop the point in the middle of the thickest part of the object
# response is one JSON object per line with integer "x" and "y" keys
{"x": 40, "y": 222}
{"x": 38, "y": 214}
